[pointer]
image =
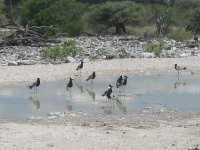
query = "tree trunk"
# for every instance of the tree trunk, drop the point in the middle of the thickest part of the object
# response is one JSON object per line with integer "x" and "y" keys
{"x": 120, "y": 28}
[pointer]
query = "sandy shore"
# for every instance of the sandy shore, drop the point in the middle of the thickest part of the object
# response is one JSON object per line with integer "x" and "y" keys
{"x": 152, "y": 129}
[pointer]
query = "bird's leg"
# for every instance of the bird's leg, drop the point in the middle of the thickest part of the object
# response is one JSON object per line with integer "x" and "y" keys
{"x": 70, "y": 94}
{"x": 106, "y": 102}
{"x": 112, "y": 104}
{"x": 92, "y": 82}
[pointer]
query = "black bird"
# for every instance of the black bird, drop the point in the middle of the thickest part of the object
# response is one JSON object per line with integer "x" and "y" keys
{"x": 119, "y": 81}
{"x": 70, "y": 83}
{"x": 91, "y": 77}
{"x": 80, "y": 66}
{"x": 35, "y": 84}
{"x": 178, "y": 68}
{"x": 108, "y": 92}
{"x": 125, "y": 80}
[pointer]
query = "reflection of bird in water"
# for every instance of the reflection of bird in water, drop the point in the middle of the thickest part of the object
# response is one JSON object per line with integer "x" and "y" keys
{"x": 35, "y": 101}
{"x": 178, "y": 68}
{"x": 91, "y": 77}
{"x": 80, "y": 67}
{"x": 91, "y": 93}
{"x": 70, "y": 84}
{"x": 69, "y": 105}
{"x": 178, "y": 84}
{"x": 120, "y": 104}
{"x": 79, "y": 85}
{"x": 35, "y": 84}
{"x": 107, "y": 110}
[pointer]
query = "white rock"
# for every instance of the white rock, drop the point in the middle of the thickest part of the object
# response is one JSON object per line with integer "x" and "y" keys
{"x": 147, "y": 55}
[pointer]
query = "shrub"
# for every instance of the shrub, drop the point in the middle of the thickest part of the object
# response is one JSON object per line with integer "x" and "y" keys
{"x": 180, "y": 35}
{"x": 63, "y": 15}
{"x": 61, "y": 51}
{"x": 155, "y": 48}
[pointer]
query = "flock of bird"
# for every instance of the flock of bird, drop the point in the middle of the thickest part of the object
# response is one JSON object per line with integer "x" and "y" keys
{"x": 121, "y": 82}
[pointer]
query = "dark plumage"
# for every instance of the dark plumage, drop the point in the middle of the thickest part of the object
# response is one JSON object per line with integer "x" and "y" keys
{"x": 91, "y": 77}
{"x": 178, "y": 68}
{"x": 70, "y": 83}
{"x": 108, "y": 92}
{"x": 80, "y": 66}
{"x": 119, "y": 81}
{"x": 35, "y": 84}
{"x": 125, "y": 80}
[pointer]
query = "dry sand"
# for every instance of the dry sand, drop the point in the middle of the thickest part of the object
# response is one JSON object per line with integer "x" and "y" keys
{"x": 152, "y": 129}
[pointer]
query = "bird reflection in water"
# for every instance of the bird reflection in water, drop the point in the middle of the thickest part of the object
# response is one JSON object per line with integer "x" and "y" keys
{"x": 91, "y": 93}
{"x": 69, "y": 101}
{"x": 109, "y": 106}
{"x": 120, "y": 101}
{"x": 178, "y": 84}
{"x": 80, "y": 85}
{"x": 35, "y": 101}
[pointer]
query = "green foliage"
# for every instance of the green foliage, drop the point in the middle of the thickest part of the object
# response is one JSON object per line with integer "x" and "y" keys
{"x": 3, "y": 19}
{"x": 155, "y": 48}
{"x": 111, "y": 14}
{"x": 194, "y": 24}
{"x": 65, "y": 15}
{"x": 179, "y": 35}
{"x": 61, "y": 51}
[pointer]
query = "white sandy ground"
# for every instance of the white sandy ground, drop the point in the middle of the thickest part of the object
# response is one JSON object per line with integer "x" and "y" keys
{"x": 150, "y": 130}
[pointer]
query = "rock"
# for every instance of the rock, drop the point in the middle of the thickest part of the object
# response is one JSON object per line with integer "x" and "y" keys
{"x": 195, "y": 147}
{"x": 110, "y": 56}
{"x": 184, "y": 55}
{"x": 13, "y": 63}
{"x": 70, "y": 59}
{"x": 147, "y": 55}
{"x": 98, "y": 47}
{"x": 26, "y": 62}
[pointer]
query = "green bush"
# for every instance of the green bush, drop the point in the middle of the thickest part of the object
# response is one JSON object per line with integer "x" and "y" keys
{"x": 63, "y": 15}
{"x": 61, "y": 51}
{"x": 179, "y": 35}
{"x": 155, "y": 48}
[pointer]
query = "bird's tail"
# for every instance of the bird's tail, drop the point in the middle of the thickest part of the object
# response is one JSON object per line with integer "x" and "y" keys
{"x": 87, "y": 79}
{"x": 104, "y": 94}
{"x": 184, "y": 68}
{"x": 30, "y": 87}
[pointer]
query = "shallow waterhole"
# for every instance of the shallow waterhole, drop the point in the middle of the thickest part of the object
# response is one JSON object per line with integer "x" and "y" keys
{"x": 169, "y": 91}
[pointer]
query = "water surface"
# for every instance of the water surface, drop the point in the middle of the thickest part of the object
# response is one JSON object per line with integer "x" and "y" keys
{"x": 170, "y": 91}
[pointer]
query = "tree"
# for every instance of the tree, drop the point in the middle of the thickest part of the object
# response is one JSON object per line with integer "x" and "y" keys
{"x": 3, "y": 19}
{"x": 64, "y": 15}
{"x": 194, "y": 24}
{"x": 116, "y": 14}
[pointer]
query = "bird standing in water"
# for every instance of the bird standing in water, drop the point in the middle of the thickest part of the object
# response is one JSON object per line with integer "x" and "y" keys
{"x": 91, "y": 77}
{"x": 178, "y": 68}
{"x": 70, "y": 84}
{"x": 80, "y": 67}
{"x": 119, "y": 81}
{"x": 108, "y": 92}
{"x": 125, "y": 80}
{"x": 35, "y": 84}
